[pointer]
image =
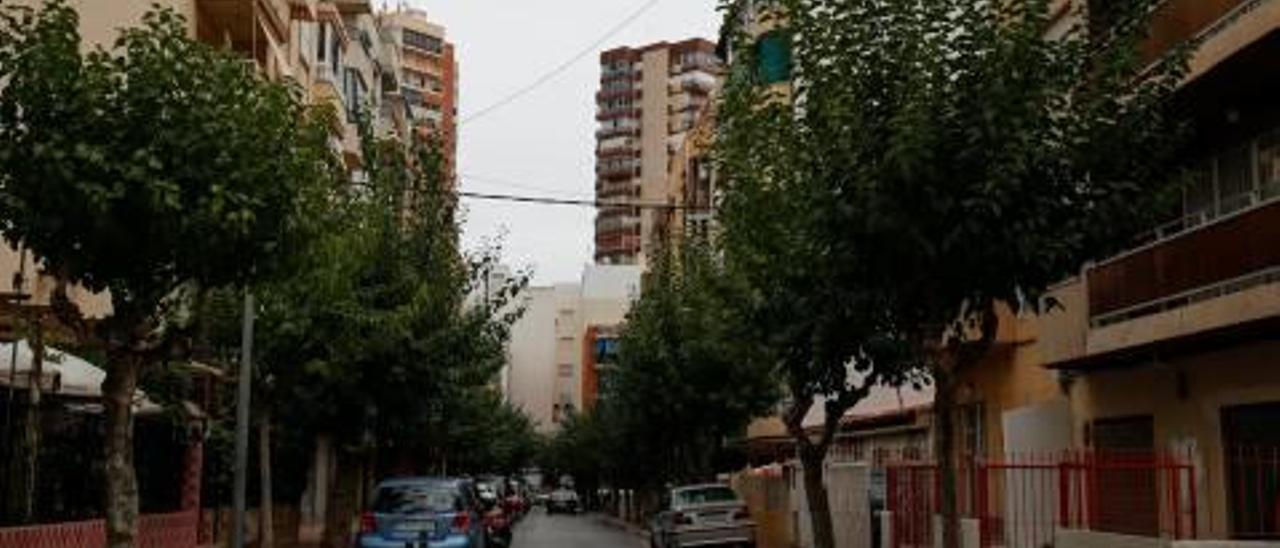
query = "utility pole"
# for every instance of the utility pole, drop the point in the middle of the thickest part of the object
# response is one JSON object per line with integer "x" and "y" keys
{"x": 242, "y": 424}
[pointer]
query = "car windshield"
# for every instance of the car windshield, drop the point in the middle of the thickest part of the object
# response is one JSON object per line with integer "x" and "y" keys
{"x": 415, "y": 499}
{"x": 704, "y": 495}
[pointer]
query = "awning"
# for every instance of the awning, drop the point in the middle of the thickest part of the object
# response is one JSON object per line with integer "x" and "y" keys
{"x": 63, "y": 374}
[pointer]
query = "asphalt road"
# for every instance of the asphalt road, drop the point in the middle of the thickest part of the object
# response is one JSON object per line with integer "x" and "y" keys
{"x": 538, "y": 530}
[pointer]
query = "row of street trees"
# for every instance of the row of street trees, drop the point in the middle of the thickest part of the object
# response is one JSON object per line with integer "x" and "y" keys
{"x": 682, "y": 389}
{"x": 169, "y": 174}
{"x": 925, "y": 161}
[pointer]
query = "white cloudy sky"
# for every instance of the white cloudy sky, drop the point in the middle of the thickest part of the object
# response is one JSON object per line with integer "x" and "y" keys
{"x": 542, "y": 143}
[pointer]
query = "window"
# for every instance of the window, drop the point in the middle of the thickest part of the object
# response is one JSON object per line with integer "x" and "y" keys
{"x": 354, "y": 88}
{"x": 1234, "y": 179}
{"x": 1269, "y": 164}
{"x": 423, "y": 42}
{"x": 1252, "y": 454}
{"x": 416, "y": 499}
{"x": 774, "y": 51}
{"x": 321, "y": 42}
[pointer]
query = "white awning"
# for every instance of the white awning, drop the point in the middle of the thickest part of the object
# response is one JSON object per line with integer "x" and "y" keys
{"x": 63, "y": 374}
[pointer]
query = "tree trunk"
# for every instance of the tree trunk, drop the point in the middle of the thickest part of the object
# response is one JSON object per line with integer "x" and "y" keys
{"x": 813, "y": 463}
{"x": 24, "y": 471}
{"x": 121, "y": 481}
{"x": 265, "y": 506}
{"x": 945, "y": 457}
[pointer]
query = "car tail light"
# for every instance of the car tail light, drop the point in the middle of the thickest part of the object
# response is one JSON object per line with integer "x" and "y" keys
{"x": 368, "y": 523}
{"x": 682, "y": 519}
{"x": 742, "y": 514}
{"x": 462, "y": 522}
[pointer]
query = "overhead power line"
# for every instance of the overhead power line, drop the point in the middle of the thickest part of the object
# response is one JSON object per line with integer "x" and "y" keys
{"x": 542, "y": 200}
{"x": 502, "y": 182}
{"x": 559, "y": 69}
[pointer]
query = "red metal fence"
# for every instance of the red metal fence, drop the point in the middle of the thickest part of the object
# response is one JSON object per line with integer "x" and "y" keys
{"x": 154, "y": 531}
{"x": 1021, "y": 500}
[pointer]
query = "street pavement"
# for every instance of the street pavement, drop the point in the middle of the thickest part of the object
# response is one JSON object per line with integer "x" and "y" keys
{"x": 538, "y": 530}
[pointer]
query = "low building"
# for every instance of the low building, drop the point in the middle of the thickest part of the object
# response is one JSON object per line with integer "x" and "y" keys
{"x": 555, "y": 351}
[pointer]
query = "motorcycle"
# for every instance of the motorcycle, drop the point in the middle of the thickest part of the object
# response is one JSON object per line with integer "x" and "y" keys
{"x": 498, "y": 525}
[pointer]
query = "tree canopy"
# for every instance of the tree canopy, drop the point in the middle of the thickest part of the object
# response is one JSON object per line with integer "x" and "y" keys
{"x": 927, "y": 159}
{"x": 152, "y": 169}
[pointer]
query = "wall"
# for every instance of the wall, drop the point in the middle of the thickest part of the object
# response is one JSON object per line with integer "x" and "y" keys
{"x": 1011, "y": 377}
{"x": 101, "y": 20}
{"x": 1185, "y": 396}
{"x": 531, "y": 366}
{"x": 653, "y": 156}
{"x": 766, "y": 494}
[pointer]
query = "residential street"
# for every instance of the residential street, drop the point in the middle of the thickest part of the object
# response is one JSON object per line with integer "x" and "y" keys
{"x": 539, "y": 530}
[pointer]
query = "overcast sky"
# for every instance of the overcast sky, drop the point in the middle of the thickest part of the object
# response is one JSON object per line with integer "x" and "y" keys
{"x": 542, "y": 144}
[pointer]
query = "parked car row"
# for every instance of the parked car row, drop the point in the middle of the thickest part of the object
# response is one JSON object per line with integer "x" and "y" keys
{"x": 431, "y": 512}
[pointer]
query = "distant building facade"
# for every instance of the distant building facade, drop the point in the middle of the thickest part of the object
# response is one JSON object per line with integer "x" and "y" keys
{"x": 554, "y": 359}
{"x": 649, "y": 98}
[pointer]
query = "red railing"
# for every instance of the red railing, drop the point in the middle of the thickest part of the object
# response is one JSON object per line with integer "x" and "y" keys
{"x": 154, "y": 531}
{"x": 1022, "y": 500}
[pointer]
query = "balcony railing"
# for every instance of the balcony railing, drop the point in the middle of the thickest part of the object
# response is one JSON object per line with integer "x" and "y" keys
{"x": 1197, "y": 259}
{"x": 1179, "y": 21}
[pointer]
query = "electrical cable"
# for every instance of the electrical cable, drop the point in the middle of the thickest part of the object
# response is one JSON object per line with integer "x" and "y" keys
{"x": 599, "y": 204}
{"x": 559, "y": 69}
{"x": 487, "y": 180}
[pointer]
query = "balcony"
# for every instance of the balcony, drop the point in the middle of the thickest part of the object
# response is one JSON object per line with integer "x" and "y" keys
{"x": 616, "y": 93}
{"x": 352, "y": 7}
{"x": 1222, "y": 27}
{"x": 612, "y": 191}
{"x": 622, "y": 131}
{"x": 1207, "y": 282}
{"x": 327, "y": 89}
{"x": 605, "y": 114}
{"x": 627, "y": 169}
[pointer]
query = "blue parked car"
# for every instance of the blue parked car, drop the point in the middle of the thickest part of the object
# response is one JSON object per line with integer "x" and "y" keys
{"x": 423, "y": 513}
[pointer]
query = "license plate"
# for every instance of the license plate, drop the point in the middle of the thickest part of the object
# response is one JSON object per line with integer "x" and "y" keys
{"x": 426, "y": 527}
{"x": 716, "y": 517}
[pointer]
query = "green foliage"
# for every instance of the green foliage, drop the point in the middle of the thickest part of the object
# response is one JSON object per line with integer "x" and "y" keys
{"x": 684, "y": 386}
{"x": 685, "y": 381}
{"x": 157, "y": 163}
{"x": 370, "y": 337}
{"x": 928, "y": 159}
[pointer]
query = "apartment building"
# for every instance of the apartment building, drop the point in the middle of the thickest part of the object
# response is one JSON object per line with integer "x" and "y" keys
{"x": 429, "y": 76}
{"x": 649, "y": 99}
{"x": 1171, "y": 345}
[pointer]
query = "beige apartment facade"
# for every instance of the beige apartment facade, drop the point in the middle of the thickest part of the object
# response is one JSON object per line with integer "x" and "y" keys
{"x": 429, "y": 76}
{"x": 649, "y": 99}
{"x": 1171, "y": 345}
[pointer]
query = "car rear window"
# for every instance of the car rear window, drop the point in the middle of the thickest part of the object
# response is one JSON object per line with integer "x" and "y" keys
{"x": 704, "y": 495}
{"x": 416, "y": 499}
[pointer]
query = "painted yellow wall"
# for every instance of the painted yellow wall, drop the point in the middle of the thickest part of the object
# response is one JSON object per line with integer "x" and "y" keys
{"x": 1241, "y": 375}
{"x": 1012, "y": 376}
{"x": 100, "y": 20}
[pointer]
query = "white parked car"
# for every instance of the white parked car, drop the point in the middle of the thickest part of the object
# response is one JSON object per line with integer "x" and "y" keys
{"x": 563, "y": 500}
{"x": 702, "y": 515}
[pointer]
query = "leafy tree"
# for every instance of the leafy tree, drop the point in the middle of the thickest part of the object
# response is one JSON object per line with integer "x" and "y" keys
{"x": 954, "y": 157}
{"x": 684, "y": 382}
{"x": 830, "y": 337}
{"x": 150, "y": 170}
